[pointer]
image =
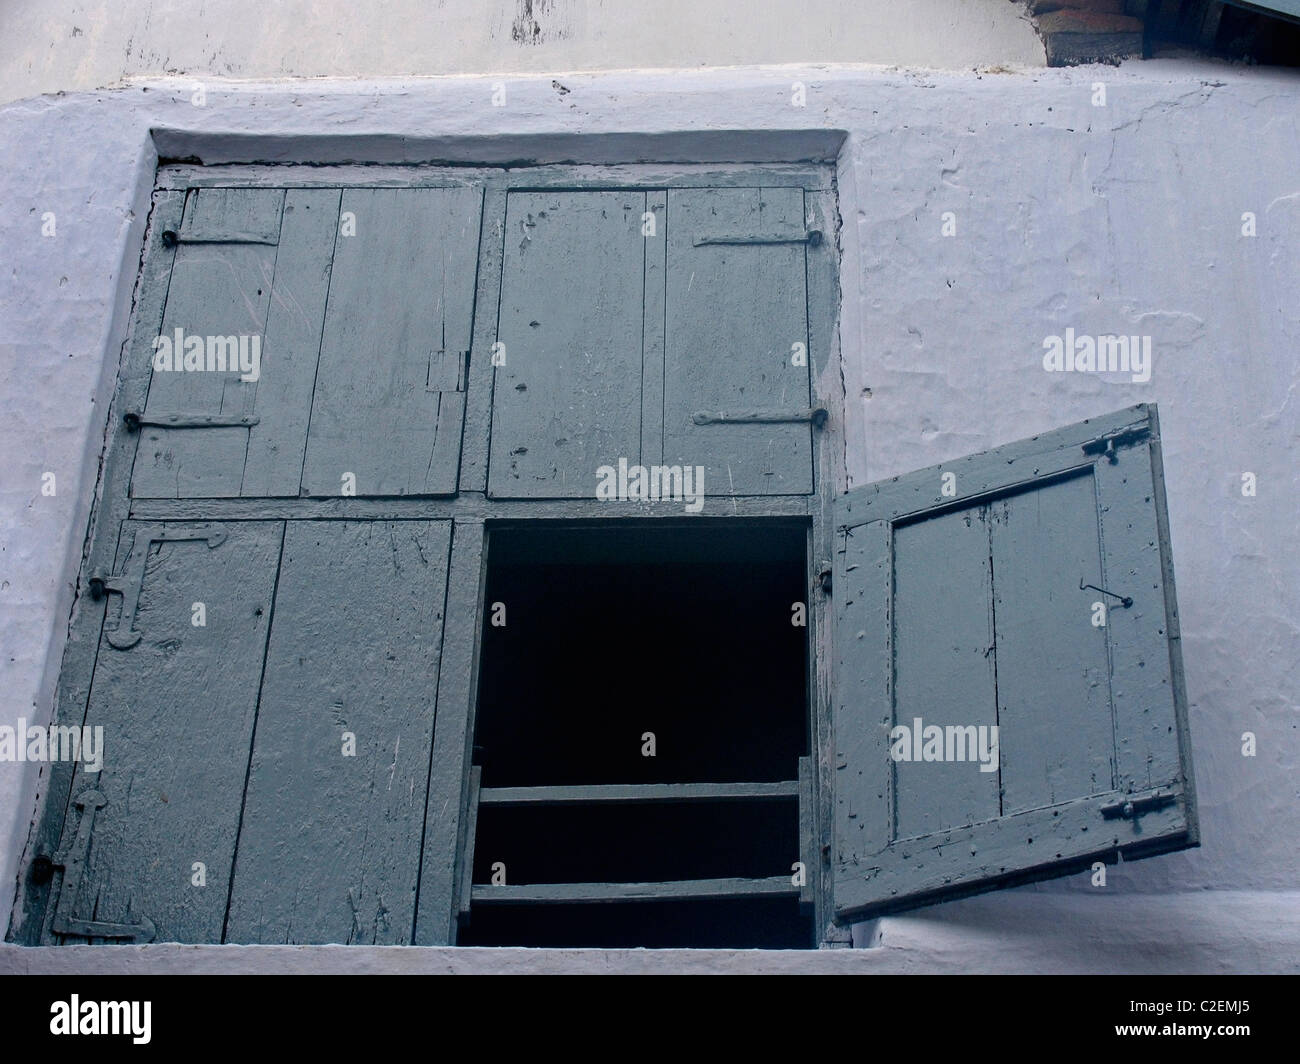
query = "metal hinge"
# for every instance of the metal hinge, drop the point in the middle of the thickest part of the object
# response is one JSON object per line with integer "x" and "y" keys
{"x": 73, "y": 860}
{"x": 813, "y": 237}
{"x": 134, "y": 420}
{"x": 1105, "y": 445}
{"x": 817, "y": 416}
{"x": 1134, "y": 807}
{"x": 127, "y": 583}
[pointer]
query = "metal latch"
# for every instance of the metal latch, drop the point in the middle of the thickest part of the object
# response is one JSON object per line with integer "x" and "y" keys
{"x": 818, "y": 416}
{"x": 135, "y": 419}
{"x": 813, "y": 238}
{"x": 1132, "y": 808}
{"x": 127, "y": 583}
{"x": 170, "y": 238}
{"x": 73, "y": 860}
{"x": 1105, "y": 445}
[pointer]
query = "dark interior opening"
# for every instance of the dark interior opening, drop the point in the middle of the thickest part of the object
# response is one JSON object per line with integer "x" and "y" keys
{"x": 612, "y": 632}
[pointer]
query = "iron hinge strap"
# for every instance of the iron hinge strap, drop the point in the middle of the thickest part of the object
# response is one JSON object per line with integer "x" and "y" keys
{"x": 127, "y": 583}
{"x": 817, "y": 416}
{"x": 72, "y": 860}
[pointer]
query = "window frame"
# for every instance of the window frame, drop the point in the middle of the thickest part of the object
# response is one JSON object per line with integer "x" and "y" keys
{"x": 469, "y": 508}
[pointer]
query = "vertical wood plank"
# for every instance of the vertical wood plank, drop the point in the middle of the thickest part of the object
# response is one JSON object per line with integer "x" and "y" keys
{"x": 652, "y": 333}
{"x": 1057, "y": 734}
{"x": 864, "y": 798}
{"x": 444, "y": 842}
{"x": 277, "y": 443}
{"x": 478, "y": 402}
{"x": 402, "y": 290}
{"x": 944, "y": 665}
{"x": 216, "y": 290}
{"x": 568, "y": 399}
{"x": 177, "y": 711}
{"x": 1142, "y": 678}
{"x": 329, "y": 847}
{"x": 733, "y": 313}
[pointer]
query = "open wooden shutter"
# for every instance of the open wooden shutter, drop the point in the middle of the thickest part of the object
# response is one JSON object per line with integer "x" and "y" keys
{"x": 959, "y": 607}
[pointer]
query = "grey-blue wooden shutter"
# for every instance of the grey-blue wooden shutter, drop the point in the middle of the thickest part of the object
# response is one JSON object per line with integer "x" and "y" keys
{"x": 225, "y": 751}
{"x": 389, "y": 401}
{"x": 364, "y": 334}
{"x": 176, "y": 703}
{"x": 958, "y": 604}
{"x": 736, "y": 388}
{"x": 249, "y": 262}
{"x": 329, "y": 848}
{"x": 567, "y": 395}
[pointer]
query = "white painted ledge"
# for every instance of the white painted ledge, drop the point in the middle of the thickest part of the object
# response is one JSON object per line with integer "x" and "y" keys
{"x": 1209, "y": 932}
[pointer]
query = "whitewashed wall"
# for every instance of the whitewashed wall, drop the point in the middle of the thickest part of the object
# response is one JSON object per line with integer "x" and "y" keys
{"x": 1122, "y": 218}
{"x": 73, "y": 45}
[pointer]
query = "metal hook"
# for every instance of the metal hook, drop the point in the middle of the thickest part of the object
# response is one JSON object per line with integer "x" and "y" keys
{"x": 1124, "y": 600}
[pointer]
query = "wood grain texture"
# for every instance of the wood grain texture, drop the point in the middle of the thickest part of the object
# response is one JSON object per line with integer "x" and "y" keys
{"x": 1060, "y": 681}
{"x": 329, "y": 848}
{"x": 568, "y": 399}
{"x": 177, "y": 711}
{"x": 944, "y": 665}
{"x": 402, "y": 290}
{"x": 446, "y": 834}
{"x": 1054, "y": 696}
{"x": 677, "y": 890}
{"x": 733, "y": 314}
{"x": 277, "y": 443}
{"x": 635, "y": 792}
{"x": 215, "y": 290}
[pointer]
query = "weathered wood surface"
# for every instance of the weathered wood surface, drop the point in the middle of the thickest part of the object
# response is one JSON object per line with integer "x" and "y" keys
{"x": 676, "y": 890}
{"x": 635, "y": 792}
{"x": 734, "y": 313}
{"x": 177, "y": 712}
{"x": 215, "y": 290}
{"x": 329, "y": 848}
{"x": 402, "y": 290}
{"x": 568, "y": 399}
{"x": 944, "y": 667}
{"x": 276, "y": 445}
{"x": 1086, "y": 714}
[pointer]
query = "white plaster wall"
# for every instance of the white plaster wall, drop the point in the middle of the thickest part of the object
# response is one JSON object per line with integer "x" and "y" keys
{"x": 1123, "y": 218}
{"x": 72, "y": 45}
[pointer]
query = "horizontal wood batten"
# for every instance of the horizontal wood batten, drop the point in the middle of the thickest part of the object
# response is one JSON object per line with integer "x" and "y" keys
{"x": 671, "y": 890}
{"x": 645, "y": 792}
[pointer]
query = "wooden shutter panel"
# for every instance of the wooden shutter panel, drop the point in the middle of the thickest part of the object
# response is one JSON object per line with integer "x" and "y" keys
{"x": 735, "y": 400}
{"x": 389, "y": 399}
{"x": 965, "y": 609}
{"x": 251, "y": 264}
{"x": 328, "y": 846}
{"x": 329, "y": 850}
{"x": 176, "y": 703}
{"x": 568, "y": 398}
